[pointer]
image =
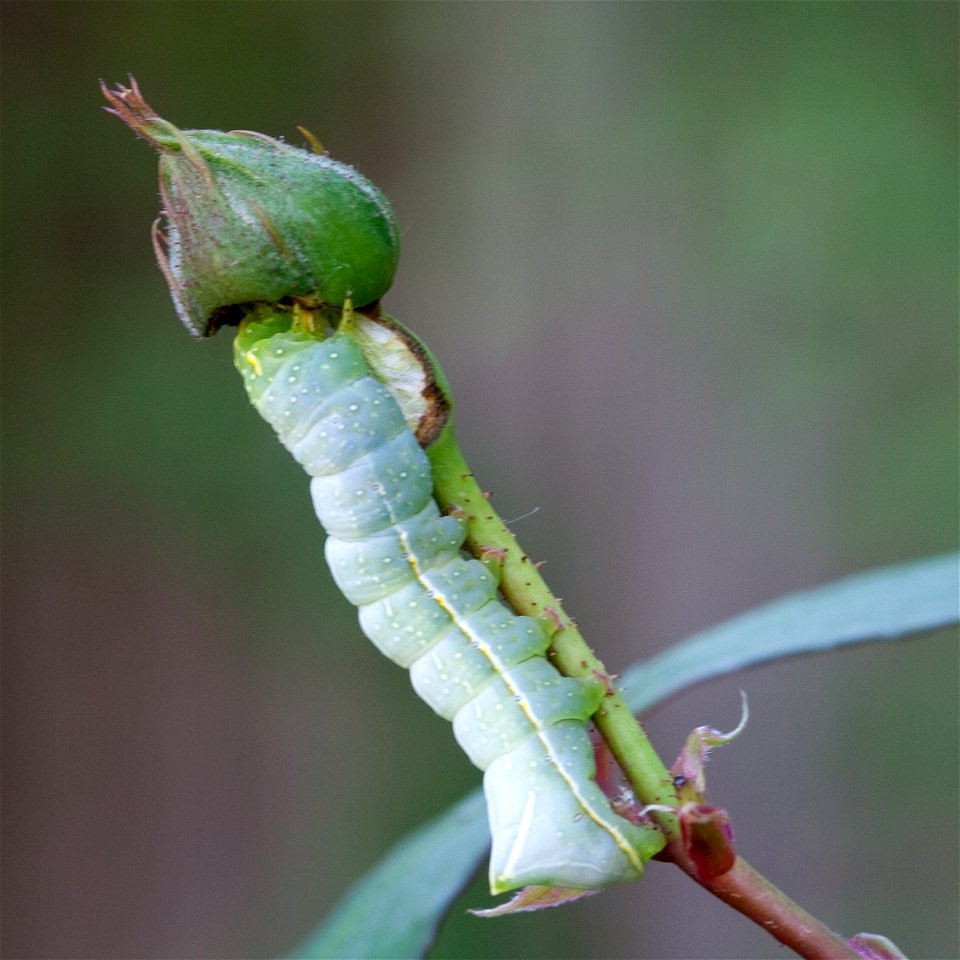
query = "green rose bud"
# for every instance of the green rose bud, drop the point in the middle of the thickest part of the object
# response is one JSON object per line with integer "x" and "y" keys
{"x": 250, "y": 219}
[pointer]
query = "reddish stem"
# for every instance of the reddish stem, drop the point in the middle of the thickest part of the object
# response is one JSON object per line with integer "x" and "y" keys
{"x": 749, "y": 893}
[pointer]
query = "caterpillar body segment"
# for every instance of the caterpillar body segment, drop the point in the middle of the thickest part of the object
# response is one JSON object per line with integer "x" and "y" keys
{"x": 434, "y": 611}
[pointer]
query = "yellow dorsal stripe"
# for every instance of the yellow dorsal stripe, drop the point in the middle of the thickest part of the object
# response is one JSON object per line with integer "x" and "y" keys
{"x": 499, "y": 668}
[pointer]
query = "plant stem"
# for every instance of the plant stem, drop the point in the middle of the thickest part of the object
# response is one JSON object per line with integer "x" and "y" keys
{"x": 741, "y": 887}
{"x": 528, "y": 594}
{"x": 760, "y": 901}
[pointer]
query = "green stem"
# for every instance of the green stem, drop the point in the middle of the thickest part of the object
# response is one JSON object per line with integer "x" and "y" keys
{"x": 528, "y": 594}
{"x": 741, "y": 887}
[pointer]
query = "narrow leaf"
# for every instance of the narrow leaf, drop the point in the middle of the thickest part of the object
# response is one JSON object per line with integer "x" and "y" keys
{"x": 891, "y": 603}
{"x": 394, "y": 911}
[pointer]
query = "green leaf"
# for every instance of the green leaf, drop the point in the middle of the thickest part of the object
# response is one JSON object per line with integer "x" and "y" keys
{"x": 396, "y": 909}
{"x": 891, "y": 603}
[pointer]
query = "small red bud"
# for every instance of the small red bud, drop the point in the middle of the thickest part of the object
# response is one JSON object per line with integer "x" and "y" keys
{"x": 875, "y": 946}
{"x": 708, "y": 839}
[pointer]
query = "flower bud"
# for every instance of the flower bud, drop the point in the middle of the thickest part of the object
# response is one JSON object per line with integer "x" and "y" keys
{"x": 250, "y": 219}
{"x": 708, "y": 839}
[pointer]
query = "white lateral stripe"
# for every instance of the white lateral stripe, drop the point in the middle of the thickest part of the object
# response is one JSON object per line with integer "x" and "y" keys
{"x": 516, "y": 848}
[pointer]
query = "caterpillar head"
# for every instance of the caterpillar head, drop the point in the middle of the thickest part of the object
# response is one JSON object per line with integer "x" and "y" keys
{"x": 250, "y": 219}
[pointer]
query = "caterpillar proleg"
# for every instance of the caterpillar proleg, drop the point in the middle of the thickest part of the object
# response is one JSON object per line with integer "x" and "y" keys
{"x": 434, "y": 611}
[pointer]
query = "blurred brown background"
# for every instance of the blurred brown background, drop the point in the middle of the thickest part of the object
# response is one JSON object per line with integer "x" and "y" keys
{"x": 692, "y": 270}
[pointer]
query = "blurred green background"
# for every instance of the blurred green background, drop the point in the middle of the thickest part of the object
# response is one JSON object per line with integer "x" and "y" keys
{"x": 692, "y": 271}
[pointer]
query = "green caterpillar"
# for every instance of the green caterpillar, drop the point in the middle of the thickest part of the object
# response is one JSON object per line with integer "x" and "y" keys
{"x": 433, "y": 611}
{"x": 309, "y": 371}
